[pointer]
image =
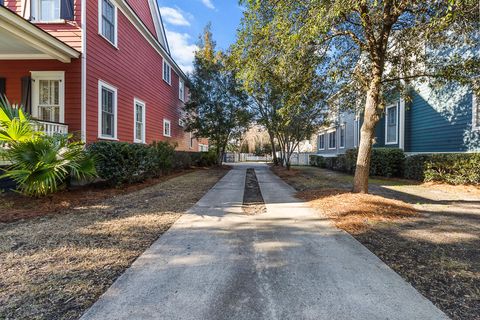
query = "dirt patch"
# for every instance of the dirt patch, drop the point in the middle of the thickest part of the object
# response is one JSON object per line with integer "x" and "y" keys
{"x": 428, "y": 233}
{"x": 56, "y": 266}
{"x": 253, "y": 202}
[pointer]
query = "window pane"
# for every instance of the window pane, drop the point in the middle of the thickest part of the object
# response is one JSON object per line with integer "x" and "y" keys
{"x": 49, "y": 10}
{"x": 44, "y": 92}
{"x": 49, "y": 100}
{"x": 108, "y": 116}
{"x": 392, "y": 116}
{"x": 392, "y": 125}
{"x": 139, "y": 131}
{"x": 108, "y": 21}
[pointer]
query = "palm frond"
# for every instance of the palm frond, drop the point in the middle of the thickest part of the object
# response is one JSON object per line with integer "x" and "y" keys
{"x": 41, "y": 166}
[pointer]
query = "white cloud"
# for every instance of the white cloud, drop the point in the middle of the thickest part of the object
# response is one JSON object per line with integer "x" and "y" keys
{"x": 174, "y": 16}
{"x": 183, "y": 51}
{"x": 208, "y": 4}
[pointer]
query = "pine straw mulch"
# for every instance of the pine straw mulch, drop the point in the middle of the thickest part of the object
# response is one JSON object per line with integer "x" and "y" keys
{"x": 431, "y": 237}
{"x": 56, "y": 266}
{"x": 356, "y": 213}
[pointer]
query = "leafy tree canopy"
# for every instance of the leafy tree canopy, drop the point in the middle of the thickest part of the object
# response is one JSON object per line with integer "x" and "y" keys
{"x": 218, "y": 106}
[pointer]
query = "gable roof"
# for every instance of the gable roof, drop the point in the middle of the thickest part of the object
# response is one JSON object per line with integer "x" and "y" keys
{"x": 159, "y": 26}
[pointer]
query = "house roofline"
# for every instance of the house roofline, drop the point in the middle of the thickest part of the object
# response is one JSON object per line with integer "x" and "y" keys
{"x": 36, "y": 36}
{"x": 128, "y": 11}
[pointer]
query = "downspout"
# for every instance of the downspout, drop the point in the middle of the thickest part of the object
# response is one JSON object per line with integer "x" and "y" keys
{"x": 83, "y": 124}
{"x": 401, "y": 144}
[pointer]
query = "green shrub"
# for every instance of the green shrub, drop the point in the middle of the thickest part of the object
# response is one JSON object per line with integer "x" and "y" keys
{"x": 182, "y": 160}
{"x": 414, "y": 167}
{"x": 458, "y": 168}
{"x": 385, "y": 162}
{"x": 185, "y": 160}
{"x": 121, "y": 162}
{"x": 161, "y": 158}
{"x": 317, "y": 161}
{"x": 207, "y": 159}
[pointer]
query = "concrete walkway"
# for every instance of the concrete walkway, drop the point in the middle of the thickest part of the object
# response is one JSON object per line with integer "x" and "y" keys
{"x": 289, "y": 263}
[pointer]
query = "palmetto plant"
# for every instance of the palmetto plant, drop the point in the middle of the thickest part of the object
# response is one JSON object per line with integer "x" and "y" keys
{"x": 39, "y": 164}
{"x": 15, "y": 126}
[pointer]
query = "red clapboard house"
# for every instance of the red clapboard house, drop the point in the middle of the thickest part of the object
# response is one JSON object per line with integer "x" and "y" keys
{"x": 101, "y": 69}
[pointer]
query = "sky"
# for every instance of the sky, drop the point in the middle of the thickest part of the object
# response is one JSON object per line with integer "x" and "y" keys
{"x": 185, "y": 20}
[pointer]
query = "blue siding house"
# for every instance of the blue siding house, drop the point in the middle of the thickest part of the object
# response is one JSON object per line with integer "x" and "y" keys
{"x": 430, "y": 121}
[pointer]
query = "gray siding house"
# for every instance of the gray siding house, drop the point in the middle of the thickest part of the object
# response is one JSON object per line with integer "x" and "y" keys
{"x": 432, "y": 121}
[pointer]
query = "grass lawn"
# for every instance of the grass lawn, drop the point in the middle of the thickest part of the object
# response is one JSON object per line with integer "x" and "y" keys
{"x": 428, "y": 233}
{"x": 56, "y": 265}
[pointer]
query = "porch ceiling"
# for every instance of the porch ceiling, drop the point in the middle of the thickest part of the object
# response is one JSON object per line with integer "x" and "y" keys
{"x": 21, "y": 40}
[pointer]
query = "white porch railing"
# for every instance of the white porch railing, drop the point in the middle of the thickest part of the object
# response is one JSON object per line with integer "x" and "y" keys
{"x": 51, "y": 128}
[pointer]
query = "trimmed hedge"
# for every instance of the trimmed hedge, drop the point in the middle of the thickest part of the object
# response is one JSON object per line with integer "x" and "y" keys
{"x": 385, "y": 162}
{"x": 120, "y": 162}
{"x": 185, "y": 159}
{"x": 455, "y": 168}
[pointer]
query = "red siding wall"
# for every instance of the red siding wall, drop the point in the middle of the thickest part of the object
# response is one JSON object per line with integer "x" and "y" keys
{"x": 69, "y": 32}
{"x": 142, "y": 9}
{"x": 135, "y": 69}
{"x": 14, "y": 70}
{"x": 14, "y": 5}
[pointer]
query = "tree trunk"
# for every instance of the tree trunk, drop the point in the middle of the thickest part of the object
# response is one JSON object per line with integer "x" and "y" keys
{"x": 370, "y": 119}
{"x": 274, "y": 151}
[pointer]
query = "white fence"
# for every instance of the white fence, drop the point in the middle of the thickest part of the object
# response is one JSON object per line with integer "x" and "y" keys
{"x": 246, "y": 157}
{"x": 300, "y": 159}
{"x": 297, "y": 159}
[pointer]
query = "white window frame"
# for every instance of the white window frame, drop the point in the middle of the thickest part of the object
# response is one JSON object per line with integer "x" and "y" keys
{"x": 100, "y": 20}
{"x": 475, "y": 112}
{"x": 35, "y": 12}
{"x": 324, "y": 143}
{"x": 334, "y": 131}
{"x": 144, "y": 122}
{"x": 190, "y": 143}
{"x": 169, "y": 80}
{"x": 356, "y": 131}
{"x": 165, "y": 121}
{"x": 386, "y": 125}
{"x": 102, "y": 84}
{"x": 344, "y": 127}
{"x": 181, "y": 90}
{"x": 48, "y": 75}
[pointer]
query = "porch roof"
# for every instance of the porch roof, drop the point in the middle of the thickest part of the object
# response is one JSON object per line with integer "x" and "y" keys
{"x": 21, "y": 40}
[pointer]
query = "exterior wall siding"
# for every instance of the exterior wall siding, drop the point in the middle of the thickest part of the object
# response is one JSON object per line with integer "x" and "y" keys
{"x": 347, "y": 118}
{"x": 142, "y": 9}
{"x": 440, "y": 121}
{"x": 14, "y": 70}
{"x": 69, "y": 32}
{"x": 380, "y": 141}
{"x": 135, "y": 69}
